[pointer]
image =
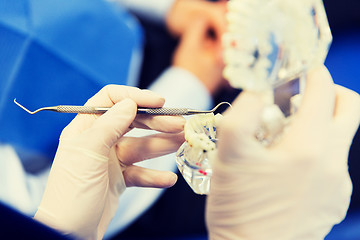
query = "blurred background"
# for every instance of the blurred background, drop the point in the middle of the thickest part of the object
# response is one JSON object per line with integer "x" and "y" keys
{"x": 178, "y": 214}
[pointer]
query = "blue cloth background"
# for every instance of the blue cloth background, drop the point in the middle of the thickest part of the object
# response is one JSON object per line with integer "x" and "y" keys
{"x": 58, "y": 52}
{"x": 343, "y": 60}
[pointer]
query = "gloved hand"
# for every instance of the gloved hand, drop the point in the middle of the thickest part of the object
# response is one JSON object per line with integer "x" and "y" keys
{"x": 93, "y": 163}
{"x": 297, "y": 188}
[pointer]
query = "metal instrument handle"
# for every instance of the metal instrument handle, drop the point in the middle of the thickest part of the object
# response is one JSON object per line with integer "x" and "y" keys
{"x": 76, "y": 109}
{"x": 164, "y": 111}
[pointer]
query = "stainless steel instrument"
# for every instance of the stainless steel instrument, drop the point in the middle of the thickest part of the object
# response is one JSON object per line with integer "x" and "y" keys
{"x": 99, "y": 110}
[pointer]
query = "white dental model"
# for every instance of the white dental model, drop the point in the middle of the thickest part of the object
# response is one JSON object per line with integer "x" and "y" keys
{"x": 194, "y": 155}
{"x": 268, "y": 41}
{"x": 268, "y": 44}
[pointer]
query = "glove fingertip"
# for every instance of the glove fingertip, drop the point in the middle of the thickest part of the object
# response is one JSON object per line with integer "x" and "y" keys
{"x": 172, "y": 179}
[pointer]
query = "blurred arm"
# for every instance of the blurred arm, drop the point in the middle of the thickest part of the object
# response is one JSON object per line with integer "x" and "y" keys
{"x": 181, "y": 88}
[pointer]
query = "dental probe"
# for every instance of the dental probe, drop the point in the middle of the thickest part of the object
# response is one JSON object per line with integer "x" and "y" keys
{"x": 97, "y": 110}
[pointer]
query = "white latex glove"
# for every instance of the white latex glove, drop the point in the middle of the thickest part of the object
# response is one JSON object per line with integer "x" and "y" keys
{"x": 296, "y": 189}
{"x": 93, "y": 163}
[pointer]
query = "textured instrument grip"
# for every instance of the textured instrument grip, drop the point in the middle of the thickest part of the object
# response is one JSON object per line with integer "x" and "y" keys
{"x": 76, "y": 109}
{"x": 166, "y": 111}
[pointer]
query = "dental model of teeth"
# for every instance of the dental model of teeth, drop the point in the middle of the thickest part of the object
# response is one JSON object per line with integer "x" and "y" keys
{"x": 194, "y": 156}
{"x": 272, "y": 41}
{"x": 200, "y": 131}
{"x": 268, "y": 44}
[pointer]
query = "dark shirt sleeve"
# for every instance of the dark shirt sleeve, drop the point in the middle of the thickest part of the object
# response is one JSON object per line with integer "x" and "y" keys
{"x": 14, "y": 225}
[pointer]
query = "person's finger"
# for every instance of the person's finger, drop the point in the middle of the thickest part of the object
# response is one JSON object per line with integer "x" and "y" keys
{"x": 111, "y": 126}
{"x": 130, "y": 150}
{"x": 167, "y": 124}
{"x": 219, "y": 19}
{"x": 318, "y": 101}
{"x": 111, "y": 94}
{"x": 196, "y": 33}
{"x": 347, "y": 109}
{"x": 136, "y": 176}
